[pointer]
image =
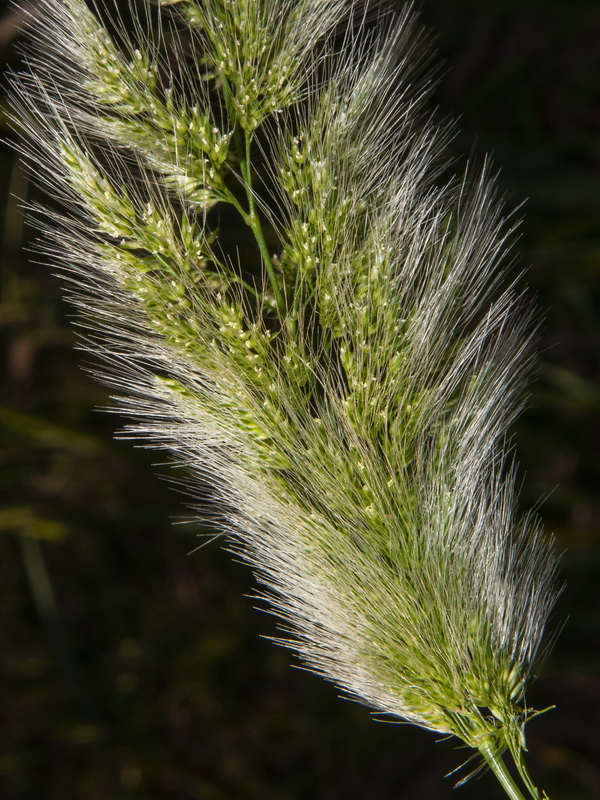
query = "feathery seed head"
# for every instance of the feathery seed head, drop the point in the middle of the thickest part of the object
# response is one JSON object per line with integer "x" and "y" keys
{"x": 348, "y": 388}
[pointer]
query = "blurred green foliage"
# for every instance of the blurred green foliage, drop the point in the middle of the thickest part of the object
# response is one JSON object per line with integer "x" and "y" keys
{"x": 132, "y": 670}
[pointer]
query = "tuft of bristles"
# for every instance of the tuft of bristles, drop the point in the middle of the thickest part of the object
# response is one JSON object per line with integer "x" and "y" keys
{"x": 347, "y": 401}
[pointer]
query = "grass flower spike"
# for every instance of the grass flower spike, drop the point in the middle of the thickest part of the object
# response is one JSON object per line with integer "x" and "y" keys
{"x": 342, "y": 375}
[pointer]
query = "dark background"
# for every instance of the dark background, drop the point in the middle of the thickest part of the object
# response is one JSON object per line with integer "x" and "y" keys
{"x": 129, "y": 669}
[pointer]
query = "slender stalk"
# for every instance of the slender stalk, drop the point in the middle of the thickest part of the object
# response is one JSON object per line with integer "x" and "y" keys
{"x": 253, "y": 220}
{"x": 498, "y": 767}
{"x": 251, "y": 217}
{"x": 526, "y": 777}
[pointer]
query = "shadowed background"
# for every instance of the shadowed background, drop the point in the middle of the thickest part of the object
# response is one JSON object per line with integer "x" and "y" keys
{"x": 132, "y": 670}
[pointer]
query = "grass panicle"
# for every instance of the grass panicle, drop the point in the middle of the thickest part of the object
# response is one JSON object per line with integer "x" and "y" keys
{"x": 346, "y": 382}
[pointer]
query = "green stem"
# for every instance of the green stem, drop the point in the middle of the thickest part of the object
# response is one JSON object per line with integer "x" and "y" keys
{"x": 251, "y": 217}
{"x": 525, "y": 776}
{"x": 253, "y": 221}
{"x": 499, "y": 769}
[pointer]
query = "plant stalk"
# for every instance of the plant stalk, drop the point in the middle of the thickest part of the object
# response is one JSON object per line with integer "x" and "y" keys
{"x": 251, "y": 217}
{"x": 253, "y": 220}
{"x": 498, "y": 767}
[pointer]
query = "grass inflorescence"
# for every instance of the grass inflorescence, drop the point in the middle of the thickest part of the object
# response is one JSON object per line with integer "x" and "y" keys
{"x": 346, "y": 389}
